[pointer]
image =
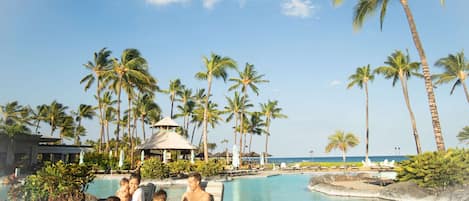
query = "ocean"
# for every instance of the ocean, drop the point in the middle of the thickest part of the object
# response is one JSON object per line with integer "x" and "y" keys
{"x": 332, "y": 159}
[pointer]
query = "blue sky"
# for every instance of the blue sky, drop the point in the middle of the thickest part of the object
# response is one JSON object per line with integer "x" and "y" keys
{"x": 307, "y": 49}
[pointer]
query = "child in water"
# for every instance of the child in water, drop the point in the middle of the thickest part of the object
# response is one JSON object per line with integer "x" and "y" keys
{"x": 123, "y": 192}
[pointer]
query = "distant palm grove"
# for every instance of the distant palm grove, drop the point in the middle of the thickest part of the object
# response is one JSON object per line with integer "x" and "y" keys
{"x": 110, "y": 80}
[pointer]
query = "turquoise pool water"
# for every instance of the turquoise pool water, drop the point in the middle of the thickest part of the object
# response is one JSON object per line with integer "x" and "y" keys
{"x": 276, "y": 188}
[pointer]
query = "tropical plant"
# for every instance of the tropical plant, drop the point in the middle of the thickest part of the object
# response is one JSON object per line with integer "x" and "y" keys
{"x": 215, "y": 67}
{"x": 343, "y": 142}
{"x": 143, "y": 105}
{"x": 270, "y": 111}
{"x": 99, "y": 67}
{"x": 154, "y": 169}
{"x": 248, "y": 78}
{"x": 234, "y": 108}
{"x": 55, "y": 113}
{"x": 436, "y": 170}
{"x": 361, "y": 78}
{"x": 84, "y": 111}
{"x": 187, "y": 106}
{"x": 363, "y": 10}
{"x": 109, "y": 115}
{"x": 464, "y": 135}
{"x": 39, "y": 115}
{"x": 66, "y": 126}
{"x": 399, "y": 67}
{"x": 180, "y": 167}
{"x": 175, "y": 88}
{"x": 208, "y": 169}
{"x": 255, "y": 126}
{"x": 456, "y": 68}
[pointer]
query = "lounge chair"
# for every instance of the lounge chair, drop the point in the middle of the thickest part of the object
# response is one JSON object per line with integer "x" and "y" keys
{"x": 148, "y": 191}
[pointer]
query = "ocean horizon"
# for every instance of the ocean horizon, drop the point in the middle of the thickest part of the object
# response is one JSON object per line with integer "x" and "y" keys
{"x": 396, "y": 158}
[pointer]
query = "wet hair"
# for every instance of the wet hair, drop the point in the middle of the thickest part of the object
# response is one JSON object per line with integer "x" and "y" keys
{"x": 135, "y": 176}
{"x": 113, "y": 198}
{"x": 124, "y": 180}
{"x": 196, "y": 176}
{"x": 160, "y": 195}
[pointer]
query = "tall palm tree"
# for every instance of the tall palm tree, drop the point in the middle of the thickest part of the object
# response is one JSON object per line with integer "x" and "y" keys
{"x": 212, "y": 114}
{"x": 55, "y": 113}
{"x": 270, "y": 111}
{"x": 14, "y": 113}
{"x": 363, "y": 10}
{"x": 144, "y": 103}
{"x": 256, "y": 125}
{"x": 100, "y": 66}
{"x": 399, "y": 67}
{"x": 340, "y": 140}
{"x": 39, "y": 115}
{"x": 187, "y": 106}
{"x": 153, "y": 116}
{"x": 84, "y": 111}
{"x": 361, "y": 78}
{"x": 131, "y": 68}
{"x": 109, "y": 116}
{"x": 196, "y": 119}
{"x": 106, "y": 103}
{"x": 215, "y": 67}
{"x": 463, "y": 136}
{"x": 66, "y": 126}
{"x": 456, "y": 68}
{"x": 175, "y": 88}
{"x": 248, "y": 78}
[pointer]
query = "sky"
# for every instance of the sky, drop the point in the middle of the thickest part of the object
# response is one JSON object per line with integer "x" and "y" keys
{"x": 307, "y": 49}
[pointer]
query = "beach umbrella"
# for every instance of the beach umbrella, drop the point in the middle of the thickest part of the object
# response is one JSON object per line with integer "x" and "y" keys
{"x": 192, "y": 156}
{"x": 235, "y": 157}
{"x": 261, "y": 159}
{"x": 110, "y": 154}
{"x": 82, "y": 155}
{"x": 121, "y": 159}
{"x": 142, "y": 157}
{"x": 164, "y": 156}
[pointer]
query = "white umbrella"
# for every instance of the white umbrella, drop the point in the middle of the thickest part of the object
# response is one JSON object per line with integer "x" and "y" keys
{"x": 110, "y": 154}
{"x": 121, "y": 159}
{"x": 261, "y": 159}
{"x": 142, "y": 157}
{"x": 82, "y": 155}
{"x": 192, "y": 156}
{"x": 164, "y": 156}
{"x": 235, "y": 157}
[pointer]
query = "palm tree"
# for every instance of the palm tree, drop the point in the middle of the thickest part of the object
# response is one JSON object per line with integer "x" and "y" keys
{"x": 187, "y": 106}
{"x": 464, "y": 135}
{"x": 14, "y": 113}
{"x": 130, "y": 69}
{"x": 84, "y": 111}
{"x": 109, "y": 116}
{"x": 256, "y": 125}
{"x": 270, "y": 111}
{"x": 363, "y": 10}
{"x": 144, "y": 104}
{"x": 234, "y": 108}
{"x": 360, "y": 78}
{"x": 39, "y": 115}
{"x": 340, "y": 140}
{"x": 215, "y": 67}
{"x": 247, "y": 79}
{"x": 106, "y": 102}
{"x": 153, "y": 116}
{"x": 55, "y": 113}
{"x": 213, "y": 116}
{"x": 100, "y": 66}
{"x": 66, "y": 126}
{"x": 175, "y": 88}
{"x": 456, "y": 68}
{"x": 399, "y": 67}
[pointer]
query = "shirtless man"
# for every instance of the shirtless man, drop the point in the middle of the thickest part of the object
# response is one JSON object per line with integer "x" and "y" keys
{"x": 195, "y": 192}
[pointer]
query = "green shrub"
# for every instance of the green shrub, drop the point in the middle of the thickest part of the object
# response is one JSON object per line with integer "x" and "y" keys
{"x": 153, "y": 168}
{"x": 57, "y": 181}
{"x": 436, "y": 169}
{"x": 208, "y": 169}
{"x": 100, "y": 160}
{"x": 180, "y": 166}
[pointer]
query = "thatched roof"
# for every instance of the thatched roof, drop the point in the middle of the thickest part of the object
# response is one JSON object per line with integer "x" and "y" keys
{"x": 166, "y": 122}
{"x": 165, "y": 140}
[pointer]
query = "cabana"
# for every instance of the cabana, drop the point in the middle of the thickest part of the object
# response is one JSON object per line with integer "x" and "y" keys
{"x": 161, "y": 144}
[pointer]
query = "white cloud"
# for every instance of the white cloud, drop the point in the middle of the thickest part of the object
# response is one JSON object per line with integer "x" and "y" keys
{"x": 298, "y": 8}
{"x": 335, "y": 83}
{"x": 165, "y": 2}
{"x": 209, "y": 4}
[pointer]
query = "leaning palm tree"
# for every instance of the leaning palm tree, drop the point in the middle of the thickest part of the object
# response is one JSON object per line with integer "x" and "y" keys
{"x": 360, "y": 78}
{"x": 399, "y": 67}
{"x": 340, "y": 140}
{"x": 215, "y": 67}
{"x": 39, "y": 115}
{"x": 363, "y": 10}
{"x": 248, "y": 78}
{"x": 270, "y": 111}
{"x": 84, "y": 111}
{"x": 100, "y": 65}
{"x": 456, "y": 68}
{"x": 463, "y": 136}
{"x": 174, "y": 90}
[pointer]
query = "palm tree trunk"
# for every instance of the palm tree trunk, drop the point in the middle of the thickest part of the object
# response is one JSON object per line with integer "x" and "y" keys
{"x": 367, "y": 138}
{"x": 343, "y": 156}
{"x": 172, "y": 106}
{"x": 241, "y": 150}
{"x": 267, "y": 133}
{"x": 107, "y": 135}
{"x": 77, "y": 137}
{"x": 129, "y": 133}
{"x": 465, "y": 90}
{"x": 250, "y": 142}
{"x": 100, "y": 108}
{"x": 205, "y": 122}
{"x": 143, "y": 126}
{"x": 412, "y": 117}
{"x": 193, "y": 132}
{"x": 236, "y": 125}
{"x": 118, "y": 113}
{"x": 37, "y": 126}
{"x": 440, "y": 144}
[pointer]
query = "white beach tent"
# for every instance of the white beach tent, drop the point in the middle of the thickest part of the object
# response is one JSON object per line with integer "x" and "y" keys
{"x": 235, "y": 163}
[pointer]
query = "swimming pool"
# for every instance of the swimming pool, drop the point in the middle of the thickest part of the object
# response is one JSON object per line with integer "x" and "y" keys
{"x": 277, "y": 188}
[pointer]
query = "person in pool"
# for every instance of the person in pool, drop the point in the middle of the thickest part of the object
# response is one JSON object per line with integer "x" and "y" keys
{"x": 195, "y": 193}
{"x": 135, "y": 190}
